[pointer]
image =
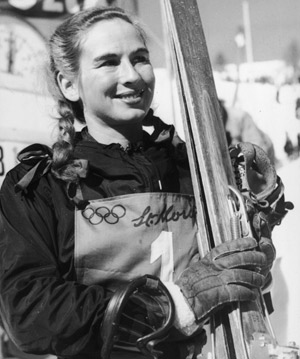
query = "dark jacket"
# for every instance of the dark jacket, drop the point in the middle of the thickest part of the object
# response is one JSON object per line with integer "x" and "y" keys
{"x": 43, "y": 308}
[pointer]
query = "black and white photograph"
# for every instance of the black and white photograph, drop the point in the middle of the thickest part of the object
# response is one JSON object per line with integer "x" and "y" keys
{"x": 149, "y": 179}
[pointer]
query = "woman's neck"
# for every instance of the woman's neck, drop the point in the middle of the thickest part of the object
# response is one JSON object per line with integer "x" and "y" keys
{"x": 124, "y": 135}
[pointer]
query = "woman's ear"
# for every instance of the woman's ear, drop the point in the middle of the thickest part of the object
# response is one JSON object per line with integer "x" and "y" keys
{"x": 68, "y": 88}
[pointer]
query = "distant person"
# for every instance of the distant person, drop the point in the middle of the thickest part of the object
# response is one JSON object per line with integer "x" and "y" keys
{"x": 292, "y": 143}
{"x": 240, "y": 127}
{"x": 288, "y": 146}
{"x": 297, "y": 113}
{"x": 297, "y": 109}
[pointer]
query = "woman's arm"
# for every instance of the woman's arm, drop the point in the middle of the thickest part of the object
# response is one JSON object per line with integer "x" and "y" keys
{"x": 42, "y": 309}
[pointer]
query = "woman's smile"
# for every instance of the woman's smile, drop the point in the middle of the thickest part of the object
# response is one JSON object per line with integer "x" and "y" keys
{"x": 132, "y": 97}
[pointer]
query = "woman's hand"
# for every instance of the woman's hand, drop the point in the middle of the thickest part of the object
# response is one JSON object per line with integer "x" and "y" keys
{"x": 230, "y": 272}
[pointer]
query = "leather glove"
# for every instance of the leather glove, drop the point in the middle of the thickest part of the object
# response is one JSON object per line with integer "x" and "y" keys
{"x": 266, "y": 246}
{"x": 230, "y": 272}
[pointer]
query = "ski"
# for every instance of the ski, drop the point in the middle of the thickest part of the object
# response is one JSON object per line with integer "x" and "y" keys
{"x": 241, "y": 331}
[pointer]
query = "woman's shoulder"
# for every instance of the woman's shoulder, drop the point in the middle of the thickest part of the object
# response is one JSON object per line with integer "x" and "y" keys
{"x": 34, "y": 162}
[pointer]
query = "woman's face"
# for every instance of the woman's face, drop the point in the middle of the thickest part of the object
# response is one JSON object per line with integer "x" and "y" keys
{"x": 116, "y": 79}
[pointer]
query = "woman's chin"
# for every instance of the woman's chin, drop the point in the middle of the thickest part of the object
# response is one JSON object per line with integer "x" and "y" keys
{"x": 133, "y": 116}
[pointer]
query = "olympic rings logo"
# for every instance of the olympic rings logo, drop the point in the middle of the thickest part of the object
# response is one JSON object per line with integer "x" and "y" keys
{"x": 100, "y": 214}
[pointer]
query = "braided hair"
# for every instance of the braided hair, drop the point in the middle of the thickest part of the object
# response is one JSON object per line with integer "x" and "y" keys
{"x": 64, "y": 54}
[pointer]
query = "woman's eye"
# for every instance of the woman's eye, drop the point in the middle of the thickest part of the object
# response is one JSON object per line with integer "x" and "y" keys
{"x": 141, "y": 59}
{"x": 109, "y": 63}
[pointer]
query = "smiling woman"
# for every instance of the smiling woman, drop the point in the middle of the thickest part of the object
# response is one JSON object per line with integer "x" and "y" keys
{"x": 115, "y": 84}
{"x": 107, "y": 205}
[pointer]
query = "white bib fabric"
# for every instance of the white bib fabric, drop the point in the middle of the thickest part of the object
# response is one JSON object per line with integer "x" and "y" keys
{"x": 121, "y": 238}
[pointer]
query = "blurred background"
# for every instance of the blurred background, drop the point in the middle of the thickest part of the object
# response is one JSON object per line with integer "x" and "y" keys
{"x": 254, "y": 49}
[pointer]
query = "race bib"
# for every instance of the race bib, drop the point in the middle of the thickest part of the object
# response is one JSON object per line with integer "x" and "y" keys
{"x": 121, "y": 238}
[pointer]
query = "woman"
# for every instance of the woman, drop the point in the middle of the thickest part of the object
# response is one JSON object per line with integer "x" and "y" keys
{"x": 108, "y": 204}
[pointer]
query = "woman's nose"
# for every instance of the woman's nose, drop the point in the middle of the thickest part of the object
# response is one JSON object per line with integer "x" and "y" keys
{"x": 128, "y": 73}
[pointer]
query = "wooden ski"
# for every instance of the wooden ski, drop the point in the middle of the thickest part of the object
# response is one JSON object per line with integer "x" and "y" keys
{"x": 241, "y": 331}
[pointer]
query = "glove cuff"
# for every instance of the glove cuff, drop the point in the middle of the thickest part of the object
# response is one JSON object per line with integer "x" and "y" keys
{"x": 185, "y": 320}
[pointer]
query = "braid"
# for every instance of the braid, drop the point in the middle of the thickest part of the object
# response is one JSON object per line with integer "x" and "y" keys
{"x": 66, "y": 122}
{"x": 63, "y": 166}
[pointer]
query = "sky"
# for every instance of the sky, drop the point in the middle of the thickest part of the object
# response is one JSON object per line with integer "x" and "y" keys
{"x": 274, "y": 26}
